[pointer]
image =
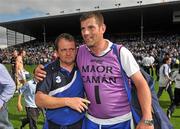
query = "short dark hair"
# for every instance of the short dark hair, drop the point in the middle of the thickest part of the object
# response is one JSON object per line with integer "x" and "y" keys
{"x": 165, "y": 59}
{"x": 96, "y": 14}
{"x": 21, "y": 51}
{"x": 66, "y": 36}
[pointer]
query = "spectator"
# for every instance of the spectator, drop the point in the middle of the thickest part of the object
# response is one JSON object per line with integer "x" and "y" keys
{"x": 7, "y": 88}
{"x": 32, "y": 111}
{"x": 164, "y": 78}
{"x": 176, "y": 101}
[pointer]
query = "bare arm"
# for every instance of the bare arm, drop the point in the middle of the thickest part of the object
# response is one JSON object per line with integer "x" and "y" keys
{"x": 19, "y": 105}
{"x": 18, "y": 63}
{"x": 45, "y": 101}
{"x": 144, "y": 97}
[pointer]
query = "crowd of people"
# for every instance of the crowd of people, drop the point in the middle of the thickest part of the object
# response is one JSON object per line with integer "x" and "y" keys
{"x": 36, "y": 53}
{"x": 155, "y": 44}
{"x": 95, "y": 67}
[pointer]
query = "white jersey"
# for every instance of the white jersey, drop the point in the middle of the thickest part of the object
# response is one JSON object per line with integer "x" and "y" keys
{"x": 163, "y": 74}
{"x": 146, "y": 61}
{"x": 151, "y": 58}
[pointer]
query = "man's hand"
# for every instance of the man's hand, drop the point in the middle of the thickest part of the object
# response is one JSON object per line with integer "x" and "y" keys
{"x": 40, "y": 73}
{"x": 77, "y": 104}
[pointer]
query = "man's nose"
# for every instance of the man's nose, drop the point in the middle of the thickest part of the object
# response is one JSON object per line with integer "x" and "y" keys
{"x": 68, "y": 52}
{"x": 86, "y": 32}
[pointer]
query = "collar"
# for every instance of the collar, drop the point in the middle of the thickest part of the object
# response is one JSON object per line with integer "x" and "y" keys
{"x": 106, "y": 50}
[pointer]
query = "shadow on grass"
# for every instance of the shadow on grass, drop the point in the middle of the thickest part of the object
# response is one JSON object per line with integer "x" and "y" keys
{"x": 175, "y": 116}
{"x": 40, "y": 122}
{"x": 15, "y": 117}
{"x": 164, "y": 103}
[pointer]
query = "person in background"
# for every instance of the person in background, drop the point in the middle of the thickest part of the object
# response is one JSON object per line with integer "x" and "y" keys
{"x": 32, "y": 111}
{"x": 54, "y": 56}
{"x": 13, "y": 66}
{"x": 176, "y": 101}
{"x": 7, "y": 88}
{"x": 146, "y": 62}
{"x": 20, "y": 70}
{"x": 165, "y": 79}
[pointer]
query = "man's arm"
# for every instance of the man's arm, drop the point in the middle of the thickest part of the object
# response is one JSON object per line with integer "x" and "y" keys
{"x": 22, "y": 90}
{"x": 132, "y": 70}
{"x": 8, "y": 85}
{"x": 17, "y": 63}
{"x": 19, "y": 105}
{"x": 45, "y": 101}
{"x": 144, "y": 97}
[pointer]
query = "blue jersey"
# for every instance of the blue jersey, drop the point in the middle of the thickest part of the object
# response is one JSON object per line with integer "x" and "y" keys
{"x": 61, "y": 83}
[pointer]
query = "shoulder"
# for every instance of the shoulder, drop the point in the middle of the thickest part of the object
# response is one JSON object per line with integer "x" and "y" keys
{"x": 126, "y": 54}
{"x": 81, "y": 47}
{"x": 3, "y": 69}
{"x": 52, "y": 66}
{"x": 2, "y": 66}
{"x": 18, "y": 57}
{"x": 81, "y": 50}
{"x": 124, "y": 50}
{"x": 166, "y": 65}
{"x": 128, "y": 62}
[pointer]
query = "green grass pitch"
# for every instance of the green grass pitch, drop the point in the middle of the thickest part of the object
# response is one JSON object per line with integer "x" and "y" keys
{"x": 16, "y": 116}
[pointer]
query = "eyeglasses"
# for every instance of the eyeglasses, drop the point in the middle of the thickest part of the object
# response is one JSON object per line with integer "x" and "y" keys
{"x": 67, "y": 50}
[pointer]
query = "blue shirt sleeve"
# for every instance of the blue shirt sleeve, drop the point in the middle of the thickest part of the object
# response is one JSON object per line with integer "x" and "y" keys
{"x": 7, "y": 85}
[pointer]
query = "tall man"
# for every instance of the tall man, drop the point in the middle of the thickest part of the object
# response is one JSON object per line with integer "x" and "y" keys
{"x": 101, "y": 73}
{"x": 61, "y": 92}
{"x": 7, "y": 88}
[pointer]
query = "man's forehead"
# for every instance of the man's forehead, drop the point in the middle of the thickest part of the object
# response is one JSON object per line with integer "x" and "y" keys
{"x": 66, "y": 43}
{"x": 91, "y": 19}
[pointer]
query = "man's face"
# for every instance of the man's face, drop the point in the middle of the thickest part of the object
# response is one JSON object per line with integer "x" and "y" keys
{"x": 169, "y": 61}
{"x": 92, "y": 32}
{"x": 24, "y": 53}
{"x": 15, "y": 53}
{"x": 66, "y": 51}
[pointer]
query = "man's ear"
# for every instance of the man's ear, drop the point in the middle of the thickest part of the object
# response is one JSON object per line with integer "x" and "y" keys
{"x": 103, "y": 28}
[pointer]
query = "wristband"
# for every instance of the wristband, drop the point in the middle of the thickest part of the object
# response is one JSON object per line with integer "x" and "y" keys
{"x": 148, "y": 122}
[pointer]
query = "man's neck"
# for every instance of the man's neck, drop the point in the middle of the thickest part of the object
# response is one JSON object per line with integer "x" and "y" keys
{"x": 100, "y": 47}
{"x": 68, "y": 67}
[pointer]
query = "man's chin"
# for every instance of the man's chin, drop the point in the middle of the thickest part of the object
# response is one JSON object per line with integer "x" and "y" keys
{"x": 90, "y": 45}
{"x": 70, "y": 62}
